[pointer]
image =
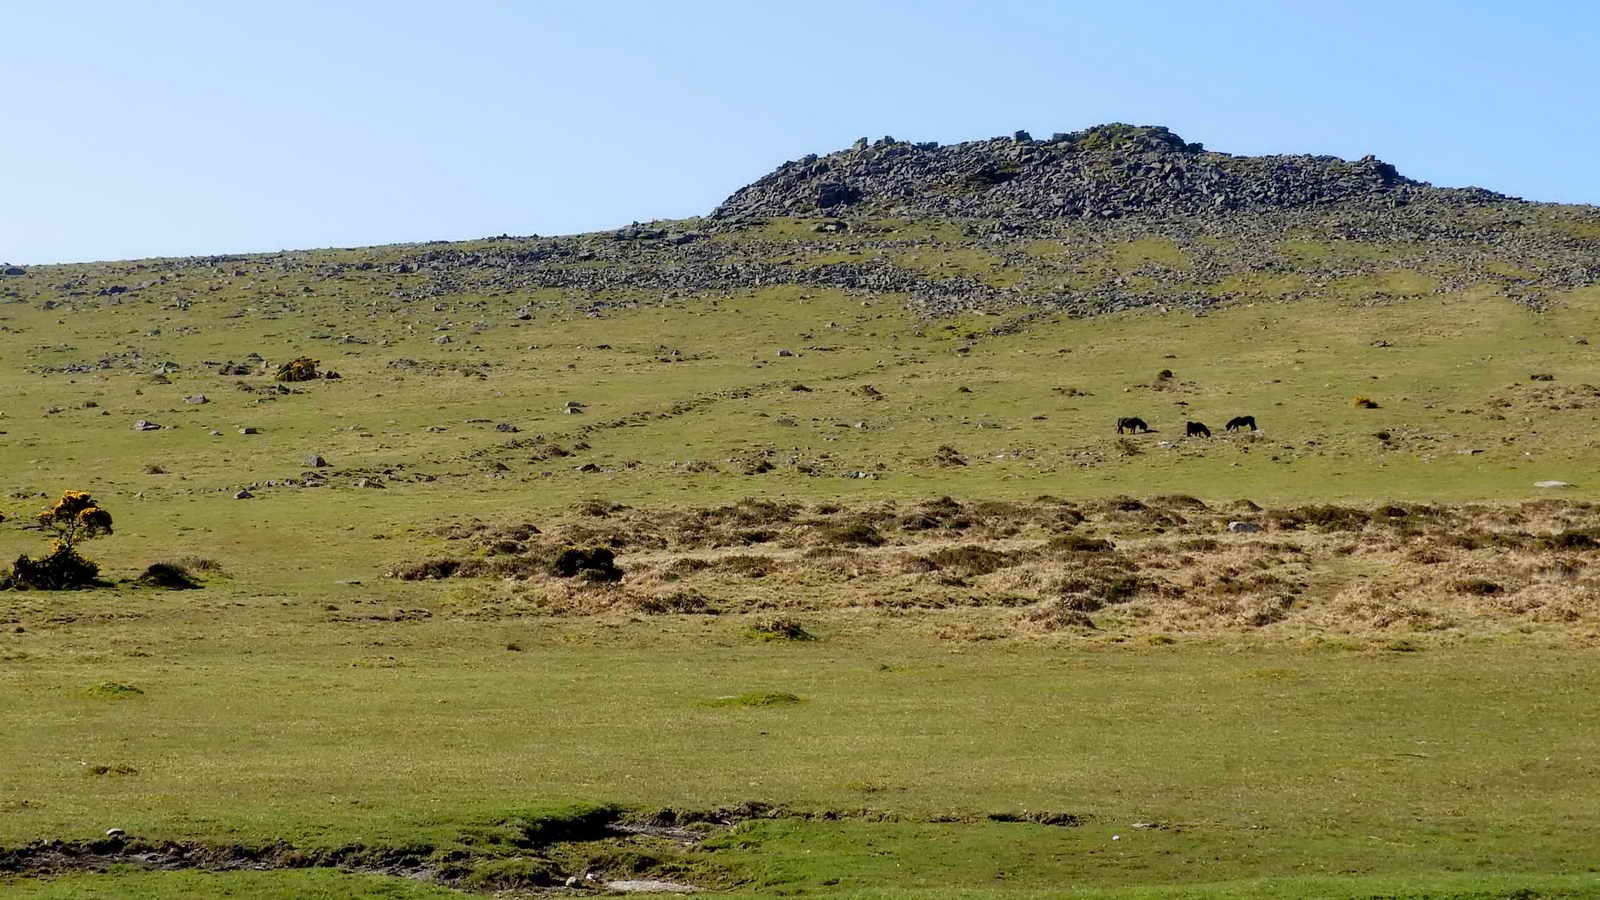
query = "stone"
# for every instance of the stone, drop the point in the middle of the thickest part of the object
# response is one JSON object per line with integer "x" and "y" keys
{"x": 442, "y": 339}
{"x": 144, "y": 425}
{"x": 248, "y": 429}
{"x": 242, "y": 495}
{"x": 507, "y": 427}
{"x": 785, "y": 352}
{"x": 1553, "y": 484}
{"x": 115, "y": 832}
{"x": 314, "y": 461}
{"x": 15, "y": 270}
{"x": 1244, "y": 527}
{"x": 197, "y": 399}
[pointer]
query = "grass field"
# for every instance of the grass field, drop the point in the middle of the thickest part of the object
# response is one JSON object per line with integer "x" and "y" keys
{"x": 954, "y": 729}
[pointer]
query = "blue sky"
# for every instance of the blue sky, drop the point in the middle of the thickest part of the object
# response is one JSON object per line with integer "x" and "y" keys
{"x": 166, "y": 128}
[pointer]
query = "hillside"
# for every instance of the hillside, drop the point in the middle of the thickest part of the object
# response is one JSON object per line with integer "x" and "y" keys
{"x": 773, "y": 549}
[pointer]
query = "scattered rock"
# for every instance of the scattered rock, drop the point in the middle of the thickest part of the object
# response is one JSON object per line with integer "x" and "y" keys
{"x": 197, "y": 399}
{"x": 242, "y": 495}
{"x": 1553, "y": 484}
{"x": 1244, "y": 527}
{"x": 314, "y": 461}
{"x": 144, "y": 425}
{"x": 507, "y": 427}
{"x": 248, "y": 429}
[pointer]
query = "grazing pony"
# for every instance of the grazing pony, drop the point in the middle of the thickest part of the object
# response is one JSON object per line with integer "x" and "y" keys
{"x": 1132, "y": 424}
{"x": 1196, "y": 429}
{"x": 1242, "y": 422}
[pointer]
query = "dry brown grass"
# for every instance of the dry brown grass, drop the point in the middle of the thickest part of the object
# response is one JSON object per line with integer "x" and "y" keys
{"x": 1116, "y": 567}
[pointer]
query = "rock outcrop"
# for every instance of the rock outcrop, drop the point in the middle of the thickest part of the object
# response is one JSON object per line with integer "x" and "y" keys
{"x": 1105, "y": 172}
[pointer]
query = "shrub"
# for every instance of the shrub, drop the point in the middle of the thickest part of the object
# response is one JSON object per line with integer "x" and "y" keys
{"x": 594, "y": 564}
{"x": 302, "y": 369}
{"x": 168, "y": 575}
{"x": 62, "y": 570}
{"x": 73, "y": 519}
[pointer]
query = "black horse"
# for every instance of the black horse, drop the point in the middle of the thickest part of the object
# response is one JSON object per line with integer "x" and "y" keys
{"x": 1242, "y": 422}
{"x": 1196, "y": 429}
{"x": 1132, "y": 424}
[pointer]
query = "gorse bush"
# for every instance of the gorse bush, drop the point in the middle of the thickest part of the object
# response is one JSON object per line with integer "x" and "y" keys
{"x": 302, "y": 369}
{"x": 73, "y": 519}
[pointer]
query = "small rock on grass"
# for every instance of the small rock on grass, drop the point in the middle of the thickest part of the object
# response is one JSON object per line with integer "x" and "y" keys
{"x": 1554, "y": 484}
{"x": 1243, "y": 527}
{"x": 243, "y": 495}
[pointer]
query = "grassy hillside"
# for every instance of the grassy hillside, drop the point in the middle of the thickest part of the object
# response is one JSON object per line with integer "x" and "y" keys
{"x": 839, "y": 683}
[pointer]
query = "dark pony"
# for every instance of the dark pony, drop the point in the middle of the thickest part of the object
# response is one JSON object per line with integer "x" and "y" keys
{"x": 1242, "y": 422}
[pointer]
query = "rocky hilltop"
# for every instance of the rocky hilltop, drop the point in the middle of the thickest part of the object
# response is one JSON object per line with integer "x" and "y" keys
{"x": 1105, "y": 172}
{"x": 1106, "y": 219}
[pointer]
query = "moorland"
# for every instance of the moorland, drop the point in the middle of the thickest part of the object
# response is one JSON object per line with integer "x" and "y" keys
{"x": 793, "y": 549}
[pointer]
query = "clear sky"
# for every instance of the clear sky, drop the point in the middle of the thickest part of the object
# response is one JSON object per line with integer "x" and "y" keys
{"x": 132, "y": 129}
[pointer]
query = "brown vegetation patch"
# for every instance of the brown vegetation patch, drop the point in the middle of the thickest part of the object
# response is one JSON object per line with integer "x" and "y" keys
{"x": 1163, "y": 565}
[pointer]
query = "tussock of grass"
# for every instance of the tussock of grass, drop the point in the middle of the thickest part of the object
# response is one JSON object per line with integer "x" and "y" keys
{"x": 114, "y": 690}
{"x": 1164, "y": 565}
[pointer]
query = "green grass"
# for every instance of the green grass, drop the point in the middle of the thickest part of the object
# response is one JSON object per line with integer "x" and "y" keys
{"x": 306, "y": 697}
